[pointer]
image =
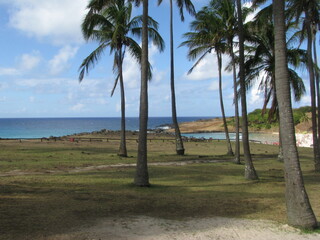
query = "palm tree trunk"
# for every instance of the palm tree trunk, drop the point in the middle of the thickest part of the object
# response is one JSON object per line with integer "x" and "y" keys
{"x": 280, "y": 154}
{"x": 179, "y": 143}
{"x": 230, "y": 152}
{"x": 313, "y": 98}
{"x": 142, "y": 176}
{"x": 236, "y": 107}
{"x": 317, "y": 166}
{"x": 250, "y": 172}
{"x": 299, "y": 210}
{"x": 123, "y": 147}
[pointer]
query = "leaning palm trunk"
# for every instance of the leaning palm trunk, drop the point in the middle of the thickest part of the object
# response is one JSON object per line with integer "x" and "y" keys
{"x": 230, "y": 152}
{"x": 299, "y": 210}
{"x": 142, "y": 176}
{"x": 313, "y": 100}
{"x": 179, "y": 142}
{"x": 123, "y": 148}
{"x": 250, "y": 172}
{"x": 236, "y": 107}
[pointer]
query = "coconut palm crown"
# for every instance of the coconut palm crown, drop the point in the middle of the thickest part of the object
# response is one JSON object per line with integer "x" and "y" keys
{"x": 112, "y": 27}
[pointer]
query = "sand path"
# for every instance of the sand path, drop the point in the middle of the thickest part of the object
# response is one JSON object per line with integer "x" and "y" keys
{"x": 218, "y": 228}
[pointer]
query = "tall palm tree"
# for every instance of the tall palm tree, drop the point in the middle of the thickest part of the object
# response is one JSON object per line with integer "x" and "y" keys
{"x": 111, "y": 27}
{"x": 190, "y": 8}
{"x": 149, "y": 29}
{"x": 260, "y": 59}
{"x": 299, "y": 210}
{"x": 225, "y": 10}
{"x": 250, "y": 172}
{"x": 219, "y": 58}
{"x": 205, "y": 38}
{"x": 310, "y": 9}
{"x": 317, "y": 73}
{"x": 142, "y": 176}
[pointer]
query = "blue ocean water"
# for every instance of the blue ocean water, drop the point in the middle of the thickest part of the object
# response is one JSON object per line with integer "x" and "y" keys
{"x": 261, "y": 137}
{"x": 46, "y": 127}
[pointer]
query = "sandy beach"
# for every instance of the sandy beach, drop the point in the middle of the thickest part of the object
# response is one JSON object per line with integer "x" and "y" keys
{"x": 303, "y": 130}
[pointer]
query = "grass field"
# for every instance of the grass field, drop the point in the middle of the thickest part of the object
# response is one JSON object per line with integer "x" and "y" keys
{"x": 40, "y": 197}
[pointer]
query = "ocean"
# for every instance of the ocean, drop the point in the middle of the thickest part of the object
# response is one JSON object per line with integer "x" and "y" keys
{"x": 47, "y": 127}
{"x": 268, "y": 138}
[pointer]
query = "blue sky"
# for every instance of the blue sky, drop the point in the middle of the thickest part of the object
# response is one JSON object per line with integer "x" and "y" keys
{"x": 41, "y": 49}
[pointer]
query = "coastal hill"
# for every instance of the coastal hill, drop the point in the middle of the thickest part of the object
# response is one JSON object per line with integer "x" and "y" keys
{"x": 258, "y": 122}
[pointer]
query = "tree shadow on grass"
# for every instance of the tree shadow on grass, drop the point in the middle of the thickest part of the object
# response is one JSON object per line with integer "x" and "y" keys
{"x": 34, "y": 206}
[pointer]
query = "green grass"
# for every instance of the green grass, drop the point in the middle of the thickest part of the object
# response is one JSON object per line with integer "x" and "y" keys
{"x": 35, "y": 206}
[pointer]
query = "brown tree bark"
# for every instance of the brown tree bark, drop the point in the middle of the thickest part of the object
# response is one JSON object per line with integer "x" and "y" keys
{"x": 229, "y": 147}
{"x": 299, "y": 211}
{"x": 123, "y": 147}
{"x": 142, "y": 176}
{"x": 179, "y": 143}
{"x": 236, "y": 107}
{"x": 316, "y": 148}
{"x": 250, "y": 172}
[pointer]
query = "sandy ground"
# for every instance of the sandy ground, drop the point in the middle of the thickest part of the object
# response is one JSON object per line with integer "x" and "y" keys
{"x": 146, "y": 228}
{"x": 216, "y": 125}
{"x": 208, "y": 125}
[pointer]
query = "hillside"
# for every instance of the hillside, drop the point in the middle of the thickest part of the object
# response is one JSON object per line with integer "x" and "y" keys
{"x": 257, "y": 123}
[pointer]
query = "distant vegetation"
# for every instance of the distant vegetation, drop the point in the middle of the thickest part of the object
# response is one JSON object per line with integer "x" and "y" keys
{"x": 259, "y": 121}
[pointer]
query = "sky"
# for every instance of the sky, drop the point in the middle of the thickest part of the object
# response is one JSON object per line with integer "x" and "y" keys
{"x": 41, "y": 49}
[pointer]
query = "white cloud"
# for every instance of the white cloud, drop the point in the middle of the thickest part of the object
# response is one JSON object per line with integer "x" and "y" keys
{"x": 3, "y": 99}
{"x": 59, "y": 62}
{"x": 214, "y": 86}
{"x": 29, "y": 61}
{"x": 118, "y": 107}
{"x": 158, "y": 76}
{"x": 79, "y": 107}
{"x": 255, "y": 95}
{"x": 32, "y": 99}
{"x": 26, "y": 62}
{"x": 131, "y": 72}
{"x": 58, "y": 21}
{"x": 208, "y": 68}
{"x": 9, "y": 72}
{"x": 305, "y": 100}
{"x": 34, "y": 82}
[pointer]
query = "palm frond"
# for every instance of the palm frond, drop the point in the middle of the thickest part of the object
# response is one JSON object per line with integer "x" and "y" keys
{"x": 198, "y": 61}
{"x": 90, "y": 61}
{"x": 115, "y": 84}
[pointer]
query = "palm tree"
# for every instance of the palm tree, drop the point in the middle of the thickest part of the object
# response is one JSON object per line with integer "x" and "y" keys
{"x": 208, "y": 37}
{"x": 317, "y": 73}
{"x": 190, "y": 8}
{"x": 142, "y": 177}
{"x": 225, "y": 10}
{"x": 260, "y": 59}
{"x": 250, "y": 172}
{"x": 310, "y": 9}
{"x": 149, "y": 28}
{"x": 219, "y": 58}
{"x": 111, "y": 27}
{"x": 299, "y": 210}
